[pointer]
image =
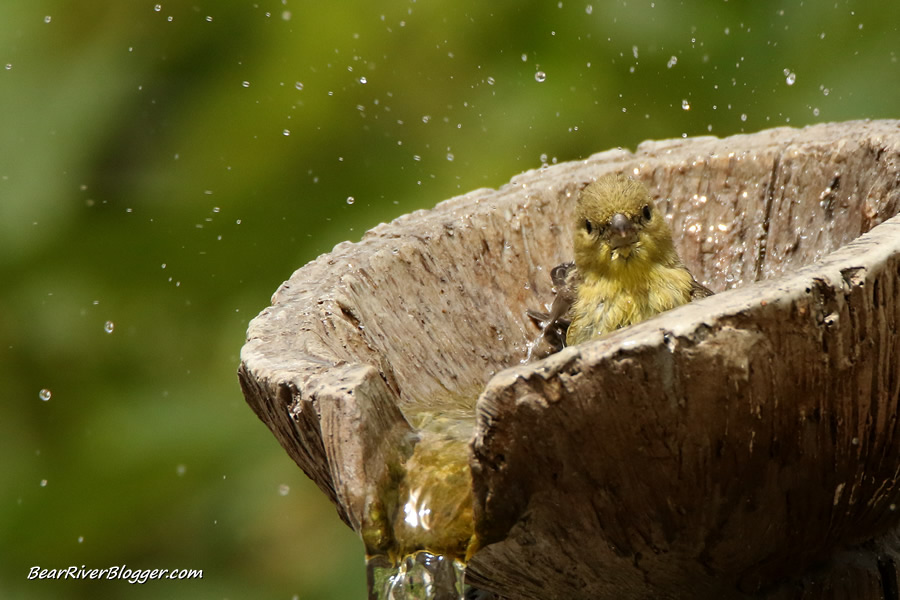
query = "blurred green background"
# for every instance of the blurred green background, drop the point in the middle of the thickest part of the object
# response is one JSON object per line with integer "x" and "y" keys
{"x": 164, "y": 167}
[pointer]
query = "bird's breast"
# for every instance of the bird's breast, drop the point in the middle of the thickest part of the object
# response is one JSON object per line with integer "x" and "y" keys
{"x": 604, "y": 304}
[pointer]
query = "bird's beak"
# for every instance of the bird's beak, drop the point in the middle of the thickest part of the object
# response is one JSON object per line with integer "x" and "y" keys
{"x": 621, "y": 231}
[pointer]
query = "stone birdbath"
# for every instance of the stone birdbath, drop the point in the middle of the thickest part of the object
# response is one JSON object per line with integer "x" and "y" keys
{"x": 742, "y": 446}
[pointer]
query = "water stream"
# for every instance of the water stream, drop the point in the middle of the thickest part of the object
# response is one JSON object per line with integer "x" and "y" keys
{"x": 432, "y": 526}
{"x": 419, "y": 576}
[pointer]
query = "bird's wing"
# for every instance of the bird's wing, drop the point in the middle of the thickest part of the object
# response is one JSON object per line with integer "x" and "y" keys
{"x": 698, "y": 290}
{"x": 560, "y": 273}
{"x": 555, "y": 324}
{"x": 537, "y": 317}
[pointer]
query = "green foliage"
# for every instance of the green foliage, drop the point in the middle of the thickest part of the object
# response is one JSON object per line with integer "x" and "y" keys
{"x": 165, "y": 169}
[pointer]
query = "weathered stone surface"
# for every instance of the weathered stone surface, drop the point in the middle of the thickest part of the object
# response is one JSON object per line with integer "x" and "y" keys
{"x": 742, "y": 446}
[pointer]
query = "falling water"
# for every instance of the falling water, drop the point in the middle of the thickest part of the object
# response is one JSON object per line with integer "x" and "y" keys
{"x": 432, "y": 525}
{"x": 419, "y": 576}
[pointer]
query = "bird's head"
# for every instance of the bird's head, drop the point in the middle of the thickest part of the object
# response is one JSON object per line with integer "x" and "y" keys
{"x": 618, "y": 228}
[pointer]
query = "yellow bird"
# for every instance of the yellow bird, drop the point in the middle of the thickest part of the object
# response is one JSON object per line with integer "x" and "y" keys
{"x": 626, "y": 269}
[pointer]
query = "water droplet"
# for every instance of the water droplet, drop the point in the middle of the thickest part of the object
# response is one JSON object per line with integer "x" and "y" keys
{"x": 634, "y": 51}
{"x": 44, "y": 394}
{"x": 363, "y": 80}
{"x": 673, "y": 60}
{"x": 685, "y": 105}
{"x": 588, "y": 9}
{"x": 350, "y": 199}
{"x": 43, "y": 483}
{"x": 490, "y": 81}
{"x": 855, "y": 441}
{"x": 815, "y": 112}
{"x": 426, "y": 118}
{"x": 286, "y": 132}
{"x": 109, "y": 326}
{"x": 8, "y": 66}
{"x": 47, "y": 19}
{"x": 284, "y": 489}
{"x": 743, "y": 117}
{"x": 80, "y": 539}
{"x": 208, "y": 19}
{"x": 524, "y": 57}
{"x": 789, "y": 77}
{"x": 298, "y": 85}
{"x": 158, "y": 7}
{"x": 246, "y": 84}
{"x": 540, "y": 77}
{"x": 450, "y": 156}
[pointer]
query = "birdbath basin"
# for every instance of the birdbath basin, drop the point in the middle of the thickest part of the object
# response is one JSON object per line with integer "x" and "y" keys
{"x": 742, "y": 446}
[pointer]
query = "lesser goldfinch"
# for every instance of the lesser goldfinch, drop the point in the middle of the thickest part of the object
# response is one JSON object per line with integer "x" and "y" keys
{"x": 626, "y": 269}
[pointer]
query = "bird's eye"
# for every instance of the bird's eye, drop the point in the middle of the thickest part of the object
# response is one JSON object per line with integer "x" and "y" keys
{"x": 587, "y": 226}
{"x": 646, "y": 212}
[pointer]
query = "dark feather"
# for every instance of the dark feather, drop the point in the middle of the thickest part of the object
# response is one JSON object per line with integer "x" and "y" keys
{"x": 698, "y": 290}
{"x": 555, "y": 324}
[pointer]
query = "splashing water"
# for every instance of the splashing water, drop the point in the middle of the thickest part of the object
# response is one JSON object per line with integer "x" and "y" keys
{"x": 420, "y": 576}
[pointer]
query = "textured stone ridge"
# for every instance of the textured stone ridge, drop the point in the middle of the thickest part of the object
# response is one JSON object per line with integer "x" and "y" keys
{"x": 741, "y": 446}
